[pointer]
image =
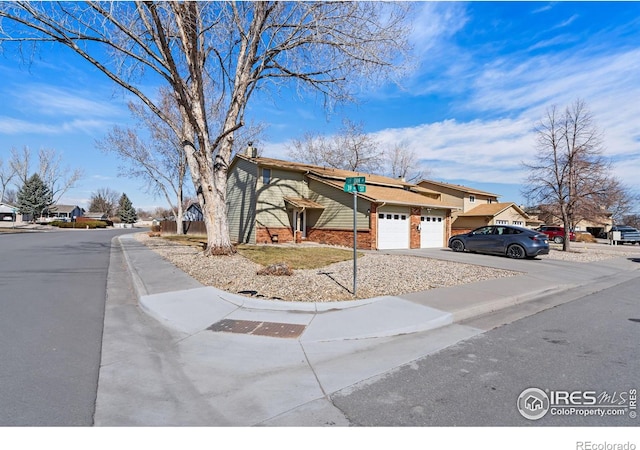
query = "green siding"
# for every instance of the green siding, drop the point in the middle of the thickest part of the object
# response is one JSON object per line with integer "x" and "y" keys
{"x": 271, "y": 209}
{"x": 338, "y": 211}
{"x": 241, "y": 201}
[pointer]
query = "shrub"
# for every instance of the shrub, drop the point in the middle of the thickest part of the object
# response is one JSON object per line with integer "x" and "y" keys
{"x": 278, "y": 269}
{"x": 92, "y": 224}
{"x": 583, "y": 236}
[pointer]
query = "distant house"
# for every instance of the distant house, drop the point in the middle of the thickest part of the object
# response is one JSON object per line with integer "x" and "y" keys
{"x": 63, "y": 212}
{"x": 8, "y": 212}
{"x": 193, "y": 213}
{"x": 598, "y": 225}
{"x": 493, "y": 214}
{"x": 95, "y": 216}
{"x": 478, "y": 208}
{"x": 271, "y": 200}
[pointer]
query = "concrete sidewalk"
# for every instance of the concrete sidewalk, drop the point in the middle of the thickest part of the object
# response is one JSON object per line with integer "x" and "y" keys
{"x": 215, "y": 358}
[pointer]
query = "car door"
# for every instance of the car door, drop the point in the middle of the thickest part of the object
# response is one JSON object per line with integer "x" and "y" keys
{"x": 500, "y": 239}
{"x": 480, "y": 240}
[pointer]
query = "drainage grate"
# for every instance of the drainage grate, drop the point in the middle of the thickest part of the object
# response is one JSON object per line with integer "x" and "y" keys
{"x": 272, "y": 329}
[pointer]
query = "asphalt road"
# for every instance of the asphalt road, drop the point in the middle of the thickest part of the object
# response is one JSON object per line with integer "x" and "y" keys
{"x": 590, "y": 344}
{"x": 52, "y": 299}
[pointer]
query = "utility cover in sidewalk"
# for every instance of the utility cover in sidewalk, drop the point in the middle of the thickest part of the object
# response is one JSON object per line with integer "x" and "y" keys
{"x": 272, "y": 329}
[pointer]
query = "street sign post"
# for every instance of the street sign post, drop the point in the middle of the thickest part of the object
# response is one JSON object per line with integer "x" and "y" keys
{"x": 355, "y": 185}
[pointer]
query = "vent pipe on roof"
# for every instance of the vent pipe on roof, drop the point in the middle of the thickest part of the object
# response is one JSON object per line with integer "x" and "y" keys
{"x": 251, "y": 151}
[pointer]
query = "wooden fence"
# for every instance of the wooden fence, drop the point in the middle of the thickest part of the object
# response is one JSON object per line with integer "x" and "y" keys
{"x": 191, "y": 227}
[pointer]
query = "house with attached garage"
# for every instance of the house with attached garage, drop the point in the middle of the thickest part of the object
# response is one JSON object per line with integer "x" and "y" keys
{"x": 476, "y": 208}
{"x": 276, "y": 201}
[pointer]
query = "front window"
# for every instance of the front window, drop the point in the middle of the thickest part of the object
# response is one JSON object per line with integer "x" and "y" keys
{"x": 266, "y": 176}
{"x": 472, "y": 199}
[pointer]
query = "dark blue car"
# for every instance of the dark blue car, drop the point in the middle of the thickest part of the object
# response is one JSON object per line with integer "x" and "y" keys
{"x": 514, "y": 242}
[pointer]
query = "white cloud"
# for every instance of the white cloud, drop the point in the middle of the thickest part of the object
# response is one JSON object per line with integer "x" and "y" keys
{"x": 12, "y": 126}
{"x": 50, "y": 100}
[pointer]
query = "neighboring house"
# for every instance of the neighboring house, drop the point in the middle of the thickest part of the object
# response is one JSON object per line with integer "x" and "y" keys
{"x": 271, "y": 200}
{"x": 63, "y": 212}
{"x": 95, "y": 216}
{"x": 193, "y": 213}
{"x": 598, "y": 226}
{"x": 492, "y": 214}
{"x": 7, "y": 212}
{"x": 464, "y": 198}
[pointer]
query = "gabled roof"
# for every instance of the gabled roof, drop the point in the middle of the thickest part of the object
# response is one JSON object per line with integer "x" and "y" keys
{"x": 304, "y": 203}
{"x": 332, "y": 173}
{"x": 459, "y": 188}
{"x": 7, "y": 207}
{"x": 62, "y": 208}
{"x": 389, "y": 195}
{"x": 380, "y": 189}
{"x": 492, "y": 209}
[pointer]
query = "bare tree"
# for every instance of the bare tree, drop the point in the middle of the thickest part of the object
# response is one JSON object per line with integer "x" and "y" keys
{"x": 349, "y": 149}
{"x": 104, "y": 200}
{"x": 57, "y": 178}
{"x": 619, "y": 201}
{"x": 402, "y": 162}
{"x": 569, "y": 175}
{"x": 160, "y": 160}
{"x": 228, "y": 48}
{"x": 7, "y": 172}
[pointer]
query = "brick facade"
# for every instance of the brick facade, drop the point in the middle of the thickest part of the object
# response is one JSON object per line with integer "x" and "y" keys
{"x": 457, "y": 231}
{"x": 341, "y": 237}
{"x": 414, "y": 225}
{"x": 273, "y": 235}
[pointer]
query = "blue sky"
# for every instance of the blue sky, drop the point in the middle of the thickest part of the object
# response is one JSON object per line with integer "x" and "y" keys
{"x": 484, "y": 74}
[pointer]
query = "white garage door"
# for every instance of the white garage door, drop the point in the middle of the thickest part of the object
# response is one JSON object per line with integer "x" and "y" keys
{"x": 432, "y": 230}
{"x": 393, "y": 228}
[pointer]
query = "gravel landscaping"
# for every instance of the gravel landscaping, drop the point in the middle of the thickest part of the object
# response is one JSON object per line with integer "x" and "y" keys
{"x": 378, "y": 274}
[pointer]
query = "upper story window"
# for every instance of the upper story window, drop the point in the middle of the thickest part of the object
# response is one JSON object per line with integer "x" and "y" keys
{"x": 489, "y": 201}
{"x": 472, "y": 199}
{"x": 266, "y": 176}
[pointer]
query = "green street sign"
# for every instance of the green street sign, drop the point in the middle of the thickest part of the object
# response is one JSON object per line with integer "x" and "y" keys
{"x": 355, "y": 188}
{"x": 355, "y": 180}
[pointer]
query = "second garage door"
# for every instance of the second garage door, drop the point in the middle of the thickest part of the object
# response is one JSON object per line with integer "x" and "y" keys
{"x": 432, "y": 230}
{"x": 393, "y": 228}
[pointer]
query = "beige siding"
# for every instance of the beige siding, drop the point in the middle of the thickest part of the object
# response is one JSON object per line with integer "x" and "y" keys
{"x": 479, "y": 200}
{"x": 241, "y": 201}
{"x": 271, "y": 209}
{"x": 338, "y": 211}
{"x": 510, "y": 216}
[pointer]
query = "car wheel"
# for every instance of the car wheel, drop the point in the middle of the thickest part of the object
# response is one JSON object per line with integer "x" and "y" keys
{"x": 558, "y": 240}
{"x": 516, "y": 251}
{"x": 457, "y": 245}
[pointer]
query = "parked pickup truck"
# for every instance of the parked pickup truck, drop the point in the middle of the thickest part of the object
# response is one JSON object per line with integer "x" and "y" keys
{"x": 627, "y": 235}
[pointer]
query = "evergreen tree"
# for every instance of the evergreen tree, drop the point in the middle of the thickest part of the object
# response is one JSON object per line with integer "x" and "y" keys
{"x": 34, "y": 197}
{"x": 126, "y": 211}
